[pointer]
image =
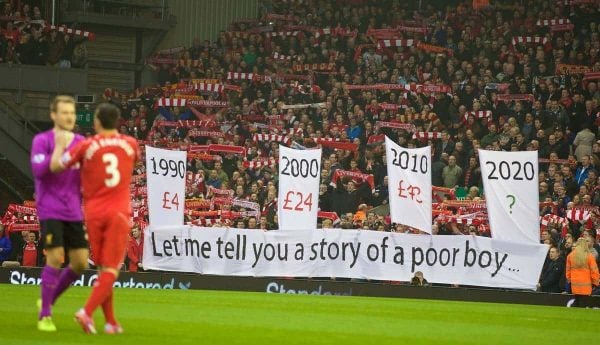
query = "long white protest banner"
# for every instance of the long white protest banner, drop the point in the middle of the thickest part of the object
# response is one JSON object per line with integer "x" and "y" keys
{"x": 510, "y": 183}
{"x": 166, "y": 171}
{"x": 362, "y": 254}
{"x": 409, "y": 174}
{"x": 298, "y": 201}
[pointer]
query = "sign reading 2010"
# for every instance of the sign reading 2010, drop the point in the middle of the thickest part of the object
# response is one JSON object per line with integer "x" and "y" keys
{"x": 413, "y": 162}
{"x": 409, "y": 180}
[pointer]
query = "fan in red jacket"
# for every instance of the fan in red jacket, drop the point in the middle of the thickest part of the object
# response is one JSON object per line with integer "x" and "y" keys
{"x": 135, "y": 249}
{"x": 30, "y": 251}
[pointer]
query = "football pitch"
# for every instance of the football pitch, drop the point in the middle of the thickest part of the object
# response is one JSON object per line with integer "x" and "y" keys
{"x": 162, "y": 317}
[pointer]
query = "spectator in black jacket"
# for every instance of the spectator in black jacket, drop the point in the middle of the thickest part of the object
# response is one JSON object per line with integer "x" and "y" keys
{"x": 553, "y": 273}
{"x": 345, "y": 198}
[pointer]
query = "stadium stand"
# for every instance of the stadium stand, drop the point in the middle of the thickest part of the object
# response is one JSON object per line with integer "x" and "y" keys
{"x": 342, "y": 75}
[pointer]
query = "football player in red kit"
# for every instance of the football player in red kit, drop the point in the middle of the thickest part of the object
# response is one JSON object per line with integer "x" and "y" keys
{"x": 107, "y": 160}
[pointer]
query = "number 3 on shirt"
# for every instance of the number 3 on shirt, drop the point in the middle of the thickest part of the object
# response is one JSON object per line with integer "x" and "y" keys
{"x": 111, "y": 169}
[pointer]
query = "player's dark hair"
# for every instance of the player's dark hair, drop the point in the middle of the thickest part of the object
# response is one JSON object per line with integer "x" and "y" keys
{"x": 108, "y": 115}
{"x": 60, "y": 99}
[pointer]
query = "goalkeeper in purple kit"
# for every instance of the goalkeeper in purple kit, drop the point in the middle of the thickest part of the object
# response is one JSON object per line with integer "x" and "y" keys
{"x": 58, "y": 203}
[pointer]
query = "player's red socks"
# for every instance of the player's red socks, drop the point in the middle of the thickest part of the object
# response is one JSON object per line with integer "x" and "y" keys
{"x": 107, "y": 308}
{"x": 102, "y": 290}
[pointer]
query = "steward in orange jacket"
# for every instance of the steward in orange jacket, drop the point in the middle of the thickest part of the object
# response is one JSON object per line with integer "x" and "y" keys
{"x": 582, "y": 270}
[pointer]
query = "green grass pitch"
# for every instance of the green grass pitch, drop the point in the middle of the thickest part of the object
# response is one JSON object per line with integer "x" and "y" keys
{"x": 213, "y": 317}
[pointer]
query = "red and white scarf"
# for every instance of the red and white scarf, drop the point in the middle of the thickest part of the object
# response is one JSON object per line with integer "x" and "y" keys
{"x": 460, "y": 220}
{"x": 395, "y": 125}
{"x": 337, "y": 144}
{"x": 260, "y": 163}
{"x": 529, "y": 40}
{"x": 282, "y": 57}
{"x": 333, "y": 216}
{"x": 24, "y": 227}
{"x": 331, "y": 66}
{"x": 479, "y": 114}
{"x": 515, "y": 97}
{"x": 562, "y": 27}
{"x": 572, "y": 69}
{"x": 427, "y": 135}
{"x": 299, "y": 34}
{"x": 550, "y": 22}
{"x": 395, "y": 43}
{"x": 356, "y": 176}
{"x": 217, "y": 148}
{"x": 223, "y": 192}
{"x": 431, "y": 117}
{"x": 199, "y": 133}
{"x": 434, "y": 49}
{"x": 187, "y": 123}
{"x": 588, "y": 76}
{"x": 552, "y": 218}
{"x": 196, "y": 204}
{"x": 76, "y": 32}
{"x": 208, "y": 87}
{"x": 417, "y": 88}
{"x": 335, "y": 32}
{"x": 182, "y": 102}
{"x": 578, "y": 215}
{"x": 22, "y": 209}
{"x": 272, "y": 137}
{"x": 304, "y": 106}
{"x": 391, "y": 106}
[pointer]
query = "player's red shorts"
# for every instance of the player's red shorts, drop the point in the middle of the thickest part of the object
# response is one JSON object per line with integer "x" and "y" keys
{"x": 108, "y": 237}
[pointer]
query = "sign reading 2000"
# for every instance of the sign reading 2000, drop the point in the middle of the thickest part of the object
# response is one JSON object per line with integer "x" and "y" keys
{"x": 300, "y": 167}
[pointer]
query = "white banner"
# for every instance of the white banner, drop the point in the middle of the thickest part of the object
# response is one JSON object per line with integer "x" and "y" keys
{"x": 361, "y": 254}
{"x": 409, "y": 180}
{"x": 510, "y": 183}
{"x": 165, "y": 173}
{"x": 298, "y": 200}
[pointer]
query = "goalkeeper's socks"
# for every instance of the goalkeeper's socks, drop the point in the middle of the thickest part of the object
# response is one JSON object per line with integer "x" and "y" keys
{"x": 102, "y": 290}
{"x": 67, "y": 276}
{"x": 49, "y": 282}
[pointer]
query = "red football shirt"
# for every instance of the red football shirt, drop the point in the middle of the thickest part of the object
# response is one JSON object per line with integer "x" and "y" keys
{"x": 30, "y": 254}
{"x": 107, "y": 163}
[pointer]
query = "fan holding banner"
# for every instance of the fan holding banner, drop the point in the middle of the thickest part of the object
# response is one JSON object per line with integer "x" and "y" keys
{"x": 166, "y": 171}
{"x": 409, "y": 174}
{"x": 510, "y": 181}
{"x": 298, "y": 201}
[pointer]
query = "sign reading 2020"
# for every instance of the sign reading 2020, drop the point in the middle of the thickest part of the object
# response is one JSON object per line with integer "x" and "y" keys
{"x": 510, "y": 182}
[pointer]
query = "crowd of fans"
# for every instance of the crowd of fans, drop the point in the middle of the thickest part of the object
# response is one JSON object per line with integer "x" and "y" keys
{"x": 26, "y": 38}
{"x": 510, "y": 77}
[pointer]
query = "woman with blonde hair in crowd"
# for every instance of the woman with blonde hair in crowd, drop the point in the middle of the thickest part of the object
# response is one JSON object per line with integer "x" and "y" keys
{"x": 582, "y": 270}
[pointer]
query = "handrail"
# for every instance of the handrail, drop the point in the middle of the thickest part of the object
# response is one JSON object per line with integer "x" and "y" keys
{"x": 25, "y": 133}
{"x": 16, "y": 136}
{"x": 12, "y": 190}
{"x": 16, "y": 115}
